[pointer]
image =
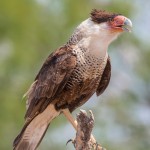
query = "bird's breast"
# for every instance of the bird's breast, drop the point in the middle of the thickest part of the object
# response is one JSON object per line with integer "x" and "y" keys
{"x": 88, "y": 67}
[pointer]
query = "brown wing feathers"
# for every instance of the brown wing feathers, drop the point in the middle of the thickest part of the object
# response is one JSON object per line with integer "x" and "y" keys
{"x": 52, "y": 78}
{"x": 105, "y": 78}
{"x": 48, "y": 83}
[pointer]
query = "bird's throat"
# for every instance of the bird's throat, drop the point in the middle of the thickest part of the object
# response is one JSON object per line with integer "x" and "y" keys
{"x": 98, "y": 48}
{"x": 94, "y": 47}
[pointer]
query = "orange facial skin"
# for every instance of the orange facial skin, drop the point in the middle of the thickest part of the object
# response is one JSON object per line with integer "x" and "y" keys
{"x": 117, "y": 23}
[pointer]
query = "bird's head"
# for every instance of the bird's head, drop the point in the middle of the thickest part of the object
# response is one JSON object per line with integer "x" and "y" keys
{"x": 111, "y": 21}
{"x": 104, "y": 25}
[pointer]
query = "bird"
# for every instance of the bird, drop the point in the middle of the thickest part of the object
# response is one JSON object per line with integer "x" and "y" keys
{"x": 71, "y": 75}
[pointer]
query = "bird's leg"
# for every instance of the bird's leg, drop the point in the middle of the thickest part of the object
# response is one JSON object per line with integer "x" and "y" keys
{"x": 70, "y": 118}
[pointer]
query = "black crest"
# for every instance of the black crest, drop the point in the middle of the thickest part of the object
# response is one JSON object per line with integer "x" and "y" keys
{"x": 100, "y": 16}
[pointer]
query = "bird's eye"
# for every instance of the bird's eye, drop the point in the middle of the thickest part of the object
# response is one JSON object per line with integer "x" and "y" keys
{"x": 110, "y": 19}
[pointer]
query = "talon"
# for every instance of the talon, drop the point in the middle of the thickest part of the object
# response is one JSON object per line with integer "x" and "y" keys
{"x": 71, "y": 140}
{"x": 97, "y": 146}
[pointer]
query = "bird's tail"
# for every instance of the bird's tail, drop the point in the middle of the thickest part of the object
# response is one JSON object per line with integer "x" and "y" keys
{"x": 33, "y": 132}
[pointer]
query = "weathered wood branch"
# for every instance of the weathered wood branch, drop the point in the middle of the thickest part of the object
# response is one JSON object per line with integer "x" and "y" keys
{"x": 84, "y": 139}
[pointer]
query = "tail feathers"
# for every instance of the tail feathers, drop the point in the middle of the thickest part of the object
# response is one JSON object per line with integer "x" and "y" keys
{"x": 32, "y": 133}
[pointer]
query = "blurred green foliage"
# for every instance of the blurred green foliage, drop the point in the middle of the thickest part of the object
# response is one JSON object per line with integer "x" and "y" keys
{"x": 31, "y": 29}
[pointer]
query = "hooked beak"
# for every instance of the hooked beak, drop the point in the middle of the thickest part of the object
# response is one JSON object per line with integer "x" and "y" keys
{"x": 121, "y": 23}
{"x": 127, "y": 25}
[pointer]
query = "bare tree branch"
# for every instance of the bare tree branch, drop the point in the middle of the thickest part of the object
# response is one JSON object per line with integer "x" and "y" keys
{"x": 84, "y": 139}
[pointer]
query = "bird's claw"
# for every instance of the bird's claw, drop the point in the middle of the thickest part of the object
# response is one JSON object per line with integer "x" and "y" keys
{"x": 96, "y": 146}
{"x": 73, "y": 142}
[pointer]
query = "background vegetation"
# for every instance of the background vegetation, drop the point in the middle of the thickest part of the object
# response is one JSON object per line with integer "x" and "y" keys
{"x": 31, "y": 29}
